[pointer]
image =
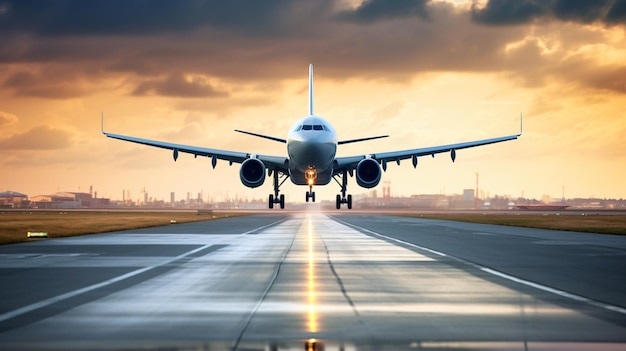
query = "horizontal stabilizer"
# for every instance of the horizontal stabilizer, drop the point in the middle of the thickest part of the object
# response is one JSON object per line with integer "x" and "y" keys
{"x": 262, "y": 136}
{"x": 341, "y": 142}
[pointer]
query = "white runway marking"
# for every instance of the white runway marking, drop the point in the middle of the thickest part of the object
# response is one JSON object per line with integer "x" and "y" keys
{"x": 545, "y": 288}
{"x": 50, "y": 301}
{"x": 68, "y": 295}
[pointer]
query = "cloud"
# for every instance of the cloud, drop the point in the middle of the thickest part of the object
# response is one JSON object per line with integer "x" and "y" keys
{"x": 179, "y": 85}
{"x": 38, "y": 138}
{"x": 141, "y": 17}
{"x": 617, "y": 13}
{"x": 47, "y": 84}
{"x": 515, "y": 12}
{"x": 377, "y": 10}
{"x": 7, "y": 119}
{"x": 249, "y": 40}
{"x": 608, "y": 77}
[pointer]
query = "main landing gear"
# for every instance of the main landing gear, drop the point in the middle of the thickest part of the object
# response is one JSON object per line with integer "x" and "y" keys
{"x": 277, "y": 198}
{"x": 343, "y": 199}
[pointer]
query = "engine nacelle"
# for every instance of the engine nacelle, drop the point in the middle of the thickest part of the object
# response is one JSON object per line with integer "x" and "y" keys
{"x": 368, "y": 173}
{"x": 252, "y": 173}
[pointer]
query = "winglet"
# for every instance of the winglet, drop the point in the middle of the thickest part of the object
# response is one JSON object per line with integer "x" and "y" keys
{"x": 102, "y": 124}
{"x": 520, "y": 123}
{"x": 310, "y": 89}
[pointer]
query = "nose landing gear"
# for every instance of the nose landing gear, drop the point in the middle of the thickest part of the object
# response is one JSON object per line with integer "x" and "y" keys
{"x": 311, "y": 176}
{"x": 310, "y": 195}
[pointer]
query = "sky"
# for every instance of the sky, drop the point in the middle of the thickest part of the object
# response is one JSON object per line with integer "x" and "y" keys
{"x": 425, "y": 72}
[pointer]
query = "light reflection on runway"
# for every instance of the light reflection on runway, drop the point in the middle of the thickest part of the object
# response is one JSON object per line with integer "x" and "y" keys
{"x": 312, "y": 315}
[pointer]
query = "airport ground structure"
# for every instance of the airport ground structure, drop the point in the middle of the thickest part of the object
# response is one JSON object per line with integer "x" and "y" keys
{"x": 58, "y": 200}
{"x": 459, "y": 202}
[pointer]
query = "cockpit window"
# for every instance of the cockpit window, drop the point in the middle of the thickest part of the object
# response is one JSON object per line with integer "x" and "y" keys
{"x": 312, "y": 127}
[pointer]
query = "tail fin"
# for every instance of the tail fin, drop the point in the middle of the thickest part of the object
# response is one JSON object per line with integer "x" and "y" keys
{"x": 310, "y": 89}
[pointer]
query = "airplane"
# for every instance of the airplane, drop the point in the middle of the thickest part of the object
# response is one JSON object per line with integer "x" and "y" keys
{"x": 311, "y": 157}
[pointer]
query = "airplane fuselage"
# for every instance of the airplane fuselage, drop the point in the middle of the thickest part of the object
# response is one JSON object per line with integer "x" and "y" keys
{"x": 311, "y": 146}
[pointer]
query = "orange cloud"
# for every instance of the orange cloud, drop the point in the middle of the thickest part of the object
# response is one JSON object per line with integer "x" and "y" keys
{"x": 7, "y": 119}
{"x": 38, "y": 138}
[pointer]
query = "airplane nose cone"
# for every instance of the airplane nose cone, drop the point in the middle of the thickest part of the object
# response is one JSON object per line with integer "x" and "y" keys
{"x": 314, "y": 154}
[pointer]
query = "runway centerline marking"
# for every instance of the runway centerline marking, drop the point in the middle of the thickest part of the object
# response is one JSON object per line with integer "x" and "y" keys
{"x": 496, "y": 273}
{"x": 41, "y": 304}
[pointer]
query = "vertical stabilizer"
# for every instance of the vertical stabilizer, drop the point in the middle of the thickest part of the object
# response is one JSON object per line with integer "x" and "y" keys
{"x": 310, "y": 89}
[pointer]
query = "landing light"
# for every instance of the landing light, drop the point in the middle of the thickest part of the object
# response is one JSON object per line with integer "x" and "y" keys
{"x": 311, "y": 345}
{"x": 310, "y": 175}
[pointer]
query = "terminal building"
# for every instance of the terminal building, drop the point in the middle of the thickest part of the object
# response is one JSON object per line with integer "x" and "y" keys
{"x": 68, "y": 200}
{"x": 13, "y": 199}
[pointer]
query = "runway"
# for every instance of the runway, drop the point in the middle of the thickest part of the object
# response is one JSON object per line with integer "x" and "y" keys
{"x": 349, "y": 281}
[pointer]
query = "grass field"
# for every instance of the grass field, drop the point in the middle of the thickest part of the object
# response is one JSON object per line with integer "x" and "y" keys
{"x": 603, "y": 224}
{"x": 14, "y": 225}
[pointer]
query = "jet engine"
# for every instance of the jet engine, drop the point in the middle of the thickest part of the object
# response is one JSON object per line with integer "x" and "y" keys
{"x": 252, "y": 173}
{"x": 368, "y": 173}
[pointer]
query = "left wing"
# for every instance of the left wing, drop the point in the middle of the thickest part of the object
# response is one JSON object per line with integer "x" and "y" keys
{"x": 278, "y": 163}
{"x": 350, "y": 162}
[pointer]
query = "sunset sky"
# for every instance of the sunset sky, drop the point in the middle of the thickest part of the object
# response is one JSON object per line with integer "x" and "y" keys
{"x": 426, "y": 72}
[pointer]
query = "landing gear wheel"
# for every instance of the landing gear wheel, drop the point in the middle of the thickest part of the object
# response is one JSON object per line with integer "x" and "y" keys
{"x": 277, "y": 198}
{"x": 310, "y": 195}
{"x": 342, "y": 198}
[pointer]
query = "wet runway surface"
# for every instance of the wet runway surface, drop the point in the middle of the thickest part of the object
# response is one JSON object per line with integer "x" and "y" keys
{"x": 351, "y": 282}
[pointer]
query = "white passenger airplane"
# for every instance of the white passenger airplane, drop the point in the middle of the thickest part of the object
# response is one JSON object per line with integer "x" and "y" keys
{"x": 311, "y": 148}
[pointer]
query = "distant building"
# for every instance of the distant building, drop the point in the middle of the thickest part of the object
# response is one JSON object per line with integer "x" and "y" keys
{"x": 68, "y": 200}
{"x": 429, "y": 201}
{"x": 464, "y": 202}
{"x": 13, "y": 199}
{"x": 53, "y": 201}
{"x": 468, "y": 195}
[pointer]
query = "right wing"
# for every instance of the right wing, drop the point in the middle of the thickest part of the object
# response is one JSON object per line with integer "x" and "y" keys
{"x": 349, "y": 163}
{"x": 278, "y": 163}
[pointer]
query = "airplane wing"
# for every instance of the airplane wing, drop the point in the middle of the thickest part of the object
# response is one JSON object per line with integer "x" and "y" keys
{"x": 278, "y": 163}
{"x": 349, "y": 163}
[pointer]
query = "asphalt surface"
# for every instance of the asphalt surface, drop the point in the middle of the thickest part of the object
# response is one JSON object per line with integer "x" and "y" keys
{"x": 349, "y": 281}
